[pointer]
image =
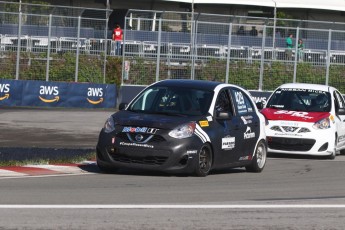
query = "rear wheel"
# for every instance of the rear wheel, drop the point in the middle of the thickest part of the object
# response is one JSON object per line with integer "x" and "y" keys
{"x": 205, "y": 160}
{"x": 259, "y": 160}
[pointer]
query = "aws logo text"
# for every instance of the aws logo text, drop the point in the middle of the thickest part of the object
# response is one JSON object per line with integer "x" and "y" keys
{"x": 95, "y": 92}
{"x": 49, "y": 94}
{"x": 4, "y": 88}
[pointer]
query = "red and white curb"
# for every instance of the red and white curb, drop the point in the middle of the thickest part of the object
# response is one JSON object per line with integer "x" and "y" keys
{"x": 44, "y": 170}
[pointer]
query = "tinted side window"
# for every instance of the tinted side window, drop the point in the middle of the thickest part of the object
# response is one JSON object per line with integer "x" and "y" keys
{"x": 223, "y": 103}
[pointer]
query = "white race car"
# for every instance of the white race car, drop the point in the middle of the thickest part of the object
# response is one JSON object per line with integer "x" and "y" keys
{"x": 305, "y": 119}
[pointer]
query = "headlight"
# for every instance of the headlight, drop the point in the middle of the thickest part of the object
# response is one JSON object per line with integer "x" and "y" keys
{"x": 183, "y": 131}
{"x": 324, "y": 123}
{"x": 109, "y": 125}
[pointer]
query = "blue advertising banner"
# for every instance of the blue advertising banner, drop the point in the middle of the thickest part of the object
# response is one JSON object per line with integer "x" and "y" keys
{"x": 57, "y": 94}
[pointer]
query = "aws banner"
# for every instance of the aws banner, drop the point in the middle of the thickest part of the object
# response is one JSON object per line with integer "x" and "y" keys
{"x": 57, "y": 94}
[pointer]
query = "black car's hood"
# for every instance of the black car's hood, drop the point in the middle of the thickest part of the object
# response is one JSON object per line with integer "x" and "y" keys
{"x": 127, "y": 118}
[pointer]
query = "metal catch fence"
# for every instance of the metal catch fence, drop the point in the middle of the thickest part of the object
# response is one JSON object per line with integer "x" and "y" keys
{"x": 56, "y": 44}
{"x": 249, "y": 55}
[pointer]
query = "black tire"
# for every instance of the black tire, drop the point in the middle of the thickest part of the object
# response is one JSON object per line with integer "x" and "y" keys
{"x": 334, "y": 153}
{"x": 259, "y": 160}
{"x": 332, "y": 156}
{"x": 106, "y": 169}
{"x": 204, "y": 161}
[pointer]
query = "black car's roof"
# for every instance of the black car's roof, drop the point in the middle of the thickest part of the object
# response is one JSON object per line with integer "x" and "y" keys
{"x": 186, "y": 83}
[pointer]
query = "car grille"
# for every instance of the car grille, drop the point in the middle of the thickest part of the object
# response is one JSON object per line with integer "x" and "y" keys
{"x": 290, "y": 144}
{"x": 290, "y": 129}
{"x": 147, "y": 160}
{"x": 131, "y": 136}
{"x": 136, "y": 156}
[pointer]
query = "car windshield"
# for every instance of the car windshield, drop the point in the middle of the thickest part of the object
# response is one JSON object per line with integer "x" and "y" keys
{"x": 308, "y": 100}
{"x": 172, "y": 101}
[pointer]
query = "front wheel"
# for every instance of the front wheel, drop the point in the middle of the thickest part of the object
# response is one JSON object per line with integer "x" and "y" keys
{"x": 205, "y": 160}
{"x": 259, "y": 159}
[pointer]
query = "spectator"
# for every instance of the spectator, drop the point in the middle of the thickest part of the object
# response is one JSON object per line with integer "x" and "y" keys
{"x": 241, "y": 31}
{"x": 300, "y": 47}
{"x": 254, "y": 32}
{"x": 117, "y": 37}
{"x": 289, "y": 47}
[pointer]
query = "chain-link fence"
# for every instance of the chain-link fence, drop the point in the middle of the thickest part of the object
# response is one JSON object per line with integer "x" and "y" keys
{"x": 53, "y": 43}
{"x": 250, "y": 55}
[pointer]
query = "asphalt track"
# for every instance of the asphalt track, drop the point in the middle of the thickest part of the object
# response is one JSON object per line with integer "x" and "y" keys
{"x": 39, "y": 133}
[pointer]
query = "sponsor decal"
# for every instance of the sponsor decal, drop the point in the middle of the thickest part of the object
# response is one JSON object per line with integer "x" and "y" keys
{"x": 203, "y": 123}
{"x": 4, "y": 88}
{"x": 247, "y": 119}
{"x": 49, "y": 94}
{"x": 136, "y": 145}
{"x": 139, "y": 130}
{"x": 192, "y": 151}
{"x": 95, "y": 92}
{"x": 289, "y": 123}
{"x": 6, "y": 96}
{"x": 248, "y": 133}
{"x": 95, "y": 102}
{"x": 303, "y": 90}
{"x": 228, "y": 143}
{"x": 134, "y": 129}
{"x": 246, "y": 158}
{"x": 332, "y": 118}
{"x": 55, "y": 99}
{"x": 263, "y": 100}
{"x": 294, "y": 113}
{"x": 288, "y": 134}
{"x": 151, "y": 130}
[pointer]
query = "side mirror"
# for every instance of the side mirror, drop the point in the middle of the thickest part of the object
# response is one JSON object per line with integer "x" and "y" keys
{"x": 341, "y": 111}
{"x": 122, "y": 106}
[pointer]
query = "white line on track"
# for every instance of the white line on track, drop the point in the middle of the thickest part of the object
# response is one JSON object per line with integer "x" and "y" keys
{"x": 130, "y": 206}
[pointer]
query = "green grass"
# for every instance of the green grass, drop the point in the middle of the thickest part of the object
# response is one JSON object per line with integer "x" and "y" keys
{"x": 65, "y": 160}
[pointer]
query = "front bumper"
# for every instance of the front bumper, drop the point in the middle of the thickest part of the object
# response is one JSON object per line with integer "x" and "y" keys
{"x": 162, "y": 153}
{"x": 314, "y": 142}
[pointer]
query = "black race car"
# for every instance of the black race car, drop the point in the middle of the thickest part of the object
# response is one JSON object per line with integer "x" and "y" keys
{"x": 185, "y": 126}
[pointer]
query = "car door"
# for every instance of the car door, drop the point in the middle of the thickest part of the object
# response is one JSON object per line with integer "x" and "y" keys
{"x": 340, "y": 118}
{"x": 249, "y": 123}
{"x": 228, "y": 141}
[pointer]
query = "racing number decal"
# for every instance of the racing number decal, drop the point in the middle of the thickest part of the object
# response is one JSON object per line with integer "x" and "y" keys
{"x": 239, "y": 98}
{"x": 241, "y": 104}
